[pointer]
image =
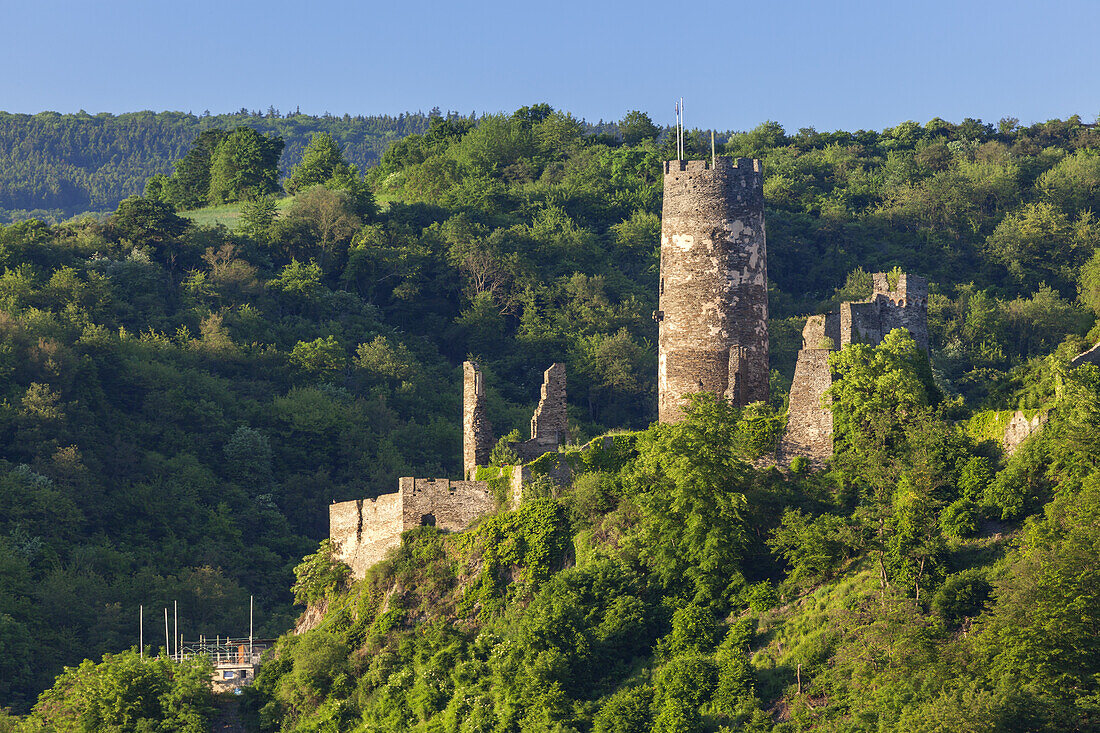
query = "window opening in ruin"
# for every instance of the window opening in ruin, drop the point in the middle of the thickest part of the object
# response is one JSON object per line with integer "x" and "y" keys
{"x": 427, "y": 520}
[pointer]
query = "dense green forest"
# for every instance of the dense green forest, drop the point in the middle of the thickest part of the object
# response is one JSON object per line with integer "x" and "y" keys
{"x": 59, "y": 165}
{"x": 180, "y": 403}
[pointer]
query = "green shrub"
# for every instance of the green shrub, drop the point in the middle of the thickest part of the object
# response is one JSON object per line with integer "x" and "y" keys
{"x": 735, "y": 680}
{"x": 974, "y": 477}
{"x": 683, "y": 684}
{"x": 960, "y": 519}
{"x": 815, "y": 548}
{"x": 319, "y": 575}
{"x": 532, "y": 539}
{"x": 593, "y": 496}
{"x": 759, "y": 430}
{"x": 762, "y": 596}
{"x": 627, "y": 711}
{"x": 961, "y": 595}
{"x": 127, "y": 693}
{"x": 503, "y": 454}
{"x": 693, "y": 631}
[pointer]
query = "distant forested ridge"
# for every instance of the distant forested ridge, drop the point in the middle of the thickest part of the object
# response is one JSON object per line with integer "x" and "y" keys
{"x": 58, "y": 165}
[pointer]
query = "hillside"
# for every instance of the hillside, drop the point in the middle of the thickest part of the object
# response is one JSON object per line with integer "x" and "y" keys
{"x": 60, "y": 165}
{"x": 662, "y": 592}
{"x": 182, "y": 402}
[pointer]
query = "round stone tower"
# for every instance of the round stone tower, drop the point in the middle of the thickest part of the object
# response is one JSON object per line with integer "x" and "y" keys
{"x": 713, "y": 317}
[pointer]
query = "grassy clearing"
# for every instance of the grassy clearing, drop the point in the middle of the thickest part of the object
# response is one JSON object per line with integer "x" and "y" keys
{"x": 799, "y": 632}
{"x": 228, "y": 215}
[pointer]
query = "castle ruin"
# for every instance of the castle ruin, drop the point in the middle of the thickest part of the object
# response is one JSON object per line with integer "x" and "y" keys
{"x": 903, "y": 304}
{"x": 549, "y": 424}
{"x": 364, "y": 530}
{"x": 477, "y": 431}
{"x": 713, "y": 296}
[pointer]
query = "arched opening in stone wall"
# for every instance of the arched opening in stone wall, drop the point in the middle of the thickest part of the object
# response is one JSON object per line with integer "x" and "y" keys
{"x": 427, "y": 520}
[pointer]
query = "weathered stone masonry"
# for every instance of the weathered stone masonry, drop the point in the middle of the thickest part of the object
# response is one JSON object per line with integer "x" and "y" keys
{"x": 365, "y": 529}
{"x": 713, "y": 312}
{"x": 809, "y": 420}
{"x": 549, "y": 424}
{"x": 904, "y": 306}
{"x": 362, "y": 530}
{"x": 477, "y": 431}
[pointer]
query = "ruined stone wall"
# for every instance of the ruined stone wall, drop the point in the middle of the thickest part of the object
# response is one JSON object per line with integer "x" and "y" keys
{"x": 821, "y": 332}
{"x": 1019, "y": 429}
{"x": 560, "y": 472}
{"x": 809, "y": 420}
{"x": 363, "y": 530}
{"x": 713, "y": 311}
{"x": 477, "y": 431}
{"x": 905, "y": 306}
{"x": 450, "y": 505}
{"x": 809, "y": 425}
{"x": 550, "y": 423}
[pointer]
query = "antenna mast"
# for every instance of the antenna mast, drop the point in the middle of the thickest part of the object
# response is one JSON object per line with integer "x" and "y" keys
{"x": 682, "y": 151}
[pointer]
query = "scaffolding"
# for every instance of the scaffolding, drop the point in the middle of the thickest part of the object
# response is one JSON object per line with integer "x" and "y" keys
{"x": 225, "y": 651}
{"x": 235, "y": 659}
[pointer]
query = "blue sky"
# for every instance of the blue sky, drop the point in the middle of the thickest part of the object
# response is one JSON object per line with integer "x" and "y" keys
{"x": 830, "y": 64}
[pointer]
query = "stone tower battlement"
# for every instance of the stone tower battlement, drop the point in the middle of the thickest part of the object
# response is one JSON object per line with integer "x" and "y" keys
{"x": 903, "y": 306}
{"x": 713, "y": 292}
{"x": 743, "y": 166}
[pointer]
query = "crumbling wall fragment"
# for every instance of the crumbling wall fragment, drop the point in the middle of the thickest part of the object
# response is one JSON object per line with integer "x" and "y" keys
{"x": 809, "y": 420}
{"x": 365, "y": 529}
{"x": 449, "y": 505}
{"x": 1019, "y": 429}
{"x": 550, "y": 423}
{"x": 477, "y": 431}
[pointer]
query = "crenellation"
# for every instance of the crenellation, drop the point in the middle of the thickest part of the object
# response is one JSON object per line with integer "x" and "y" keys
{"x": 449, "y": 505}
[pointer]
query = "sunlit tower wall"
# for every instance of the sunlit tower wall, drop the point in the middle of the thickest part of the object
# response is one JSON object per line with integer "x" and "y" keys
{"x": 713, "y": 304}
